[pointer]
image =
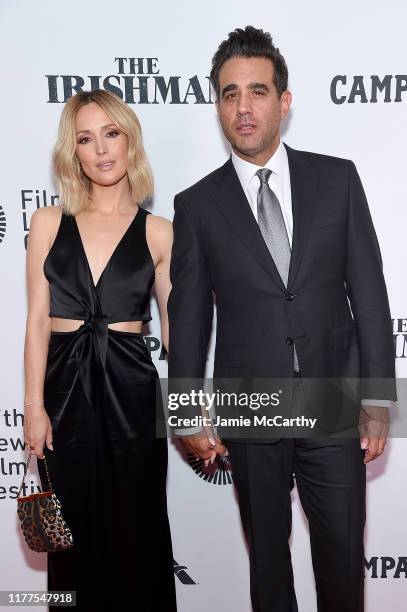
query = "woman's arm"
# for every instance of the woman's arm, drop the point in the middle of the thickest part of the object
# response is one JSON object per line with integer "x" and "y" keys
{"x": 37, "y": 426}
{"x": 159, "y": 239}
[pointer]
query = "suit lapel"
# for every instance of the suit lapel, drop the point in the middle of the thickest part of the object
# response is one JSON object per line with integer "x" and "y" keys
{"x": 231, "y": 200}
{"x": 303, "y": 179}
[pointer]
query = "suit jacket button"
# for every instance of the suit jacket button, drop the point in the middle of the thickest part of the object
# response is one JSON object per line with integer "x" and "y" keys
{"x": 289, "y": 340}
{"x": 289, "y": 297}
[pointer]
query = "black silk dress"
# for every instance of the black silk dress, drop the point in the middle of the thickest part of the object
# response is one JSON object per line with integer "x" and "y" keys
{"x": 107, "y": 467}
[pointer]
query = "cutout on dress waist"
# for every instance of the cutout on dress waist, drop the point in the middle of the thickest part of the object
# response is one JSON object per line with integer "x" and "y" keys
{"x": 65, "y": 325}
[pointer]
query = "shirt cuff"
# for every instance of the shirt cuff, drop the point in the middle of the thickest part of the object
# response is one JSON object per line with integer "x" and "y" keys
{"x": 188, "y": 431}
{"x": 379, "y": 403}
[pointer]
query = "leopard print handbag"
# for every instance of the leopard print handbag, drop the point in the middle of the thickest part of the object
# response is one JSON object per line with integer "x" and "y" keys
{"x": 41, "y": 519}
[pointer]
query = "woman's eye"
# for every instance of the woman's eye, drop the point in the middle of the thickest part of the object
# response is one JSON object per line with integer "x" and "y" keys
{"x": 84, "y": 140}
{"x": 113, "y": 133}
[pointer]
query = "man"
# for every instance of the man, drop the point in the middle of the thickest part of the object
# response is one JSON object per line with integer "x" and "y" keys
{"x": 285, "y": 241}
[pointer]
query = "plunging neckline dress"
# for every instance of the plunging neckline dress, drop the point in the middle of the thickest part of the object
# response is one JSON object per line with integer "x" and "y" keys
{"x": 102, "y": 395}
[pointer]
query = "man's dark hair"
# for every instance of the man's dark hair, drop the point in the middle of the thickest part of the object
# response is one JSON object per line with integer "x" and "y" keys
{"x": 250, "y": 42}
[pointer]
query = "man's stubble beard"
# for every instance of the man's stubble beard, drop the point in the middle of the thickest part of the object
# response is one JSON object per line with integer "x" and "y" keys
{"x": 249, "y": 151}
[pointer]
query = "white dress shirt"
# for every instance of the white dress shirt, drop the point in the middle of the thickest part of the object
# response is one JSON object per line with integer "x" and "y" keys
{"x": 279, "y": 182}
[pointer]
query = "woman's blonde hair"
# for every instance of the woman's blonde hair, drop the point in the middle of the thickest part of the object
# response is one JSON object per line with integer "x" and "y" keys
{"x": 74, "y": 185}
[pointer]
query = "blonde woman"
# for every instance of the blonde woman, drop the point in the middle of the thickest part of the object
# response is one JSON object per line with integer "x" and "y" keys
{"x": 90, "y": 384}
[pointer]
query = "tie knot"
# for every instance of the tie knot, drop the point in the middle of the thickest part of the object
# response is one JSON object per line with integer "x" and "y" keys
{"x": 263, "y": 175}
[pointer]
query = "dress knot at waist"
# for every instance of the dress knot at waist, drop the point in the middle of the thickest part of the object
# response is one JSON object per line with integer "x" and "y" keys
{"x": 91, "y": 353}
{"x": 98, "y": 324}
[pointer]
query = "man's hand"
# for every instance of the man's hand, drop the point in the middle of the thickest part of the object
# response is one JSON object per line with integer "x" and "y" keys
{"x": 204, "y": 446}
{"x": 374, "y": 429}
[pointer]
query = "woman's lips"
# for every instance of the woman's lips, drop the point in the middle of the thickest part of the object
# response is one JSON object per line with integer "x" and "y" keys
{"x": 108, "y": 165}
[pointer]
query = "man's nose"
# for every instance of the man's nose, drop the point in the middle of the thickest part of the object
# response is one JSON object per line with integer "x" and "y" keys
{"x": 244, "y": 104}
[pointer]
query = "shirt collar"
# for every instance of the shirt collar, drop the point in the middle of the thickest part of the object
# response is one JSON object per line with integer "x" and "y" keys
{"x": 246, "y": 170}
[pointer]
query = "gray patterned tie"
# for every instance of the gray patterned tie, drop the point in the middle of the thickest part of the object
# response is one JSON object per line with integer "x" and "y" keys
{"x": 274, "y": 231}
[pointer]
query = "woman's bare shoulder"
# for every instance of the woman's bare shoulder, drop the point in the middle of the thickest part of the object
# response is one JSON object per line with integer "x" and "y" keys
{"x": 159, "y": 237}
{"x": 47, "y": 214}
{"x": 45, "y": 221}
{"x": 159, "y": 223}
{"x": 159, "y": 228}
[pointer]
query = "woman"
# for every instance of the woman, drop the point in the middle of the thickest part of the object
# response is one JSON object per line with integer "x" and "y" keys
{"x": 90, "y": 392}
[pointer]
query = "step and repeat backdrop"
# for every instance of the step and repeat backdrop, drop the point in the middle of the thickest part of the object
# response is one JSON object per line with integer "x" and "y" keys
{"x": 348, "y": 75}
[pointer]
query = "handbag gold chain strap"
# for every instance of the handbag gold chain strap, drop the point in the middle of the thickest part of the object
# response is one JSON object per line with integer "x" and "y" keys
{"x": 26, "y": 470}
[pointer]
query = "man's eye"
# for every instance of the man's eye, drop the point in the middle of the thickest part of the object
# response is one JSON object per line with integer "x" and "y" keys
{"x": 230, "y": 96}
{"x": 258, "y": 92}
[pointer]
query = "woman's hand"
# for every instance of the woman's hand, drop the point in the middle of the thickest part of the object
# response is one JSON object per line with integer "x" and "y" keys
{"x": 37, "y": 431}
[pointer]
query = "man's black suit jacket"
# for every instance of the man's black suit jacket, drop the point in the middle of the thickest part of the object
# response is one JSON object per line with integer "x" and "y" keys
{"x": 335, "y": 307}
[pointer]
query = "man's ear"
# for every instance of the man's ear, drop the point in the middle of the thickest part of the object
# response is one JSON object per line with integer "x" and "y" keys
{"x": 285, "y": 103}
